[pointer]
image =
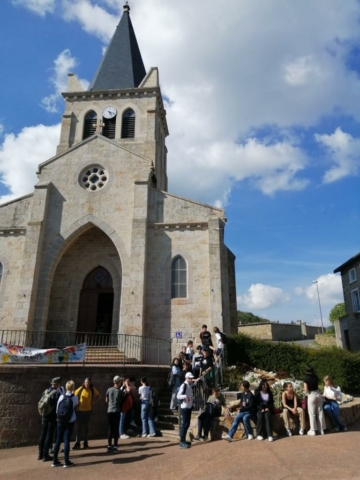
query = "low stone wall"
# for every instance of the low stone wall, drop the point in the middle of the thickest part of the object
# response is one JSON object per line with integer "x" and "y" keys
{"x": 350, "y": 413}
{"x": 22, "y": 386}
{"x": 325, "y": 340}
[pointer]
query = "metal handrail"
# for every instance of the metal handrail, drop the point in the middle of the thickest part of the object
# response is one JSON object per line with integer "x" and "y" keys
{"x": 100, "y": 347}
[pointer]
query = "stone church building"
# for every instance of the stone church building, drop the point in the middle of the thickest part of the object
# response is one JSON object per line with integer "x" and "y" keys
{"x": 101, "y": 245}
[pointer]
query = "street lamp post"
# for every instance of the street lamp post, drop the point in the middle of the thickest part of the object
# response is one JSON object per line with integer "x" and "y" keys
{"x": 321, "y": 317}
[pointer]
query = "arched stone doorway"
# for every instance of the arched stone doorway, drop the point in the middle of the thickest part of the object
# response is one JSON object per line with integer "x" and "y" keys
{"x": 96, "y": 302}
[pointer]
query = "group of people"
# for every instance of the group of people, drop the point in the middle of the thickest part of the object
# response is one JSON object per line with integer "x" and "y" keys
{"x": 62, "y": 408}
{"x": 259, "y": 407}
{"x": 204, "y": 363}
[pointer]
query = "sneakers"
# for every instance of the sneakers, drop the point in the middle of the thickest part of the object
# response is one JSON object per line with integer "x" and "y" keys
{"x": 115, "y": 449}
{"x": 227, "y": 438}
{"x": 56, "y": 464}
{"x": 301, "y": 431}
{"x": 47, "y": 458}
{"x": 184, "y": 445}
{"x": 204, "y": 439}
{"x": 250, "y": 437}
{"x": 40, "y": 456}
{"x": 86, "y": 445}
{"x": 109, "y": 448}
{"x": 69, "y": 464}
{"x": 124, "y": 437}
{"x": 133, "y": 424}
{"x": 259, "y": 437}
{"x": 144, "y": 435}
{"x": 343, "y": 429}
{"x": 152, "y": 435}
{"x": 322, "y": 432}
{"x": 311, "y": 433}
{"x": 288, "y": 431}
{"x": 197, "y": 438}
{"x": 270, "y": 439}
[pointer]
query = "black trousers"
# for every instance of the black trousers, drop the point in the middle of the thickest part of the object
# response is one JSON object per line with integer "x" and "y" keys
{"x": 261, "y": 418}
{"x": 113, "y": 427}
{"x": 47, "y": 431}
{"x": 185, "y": 423}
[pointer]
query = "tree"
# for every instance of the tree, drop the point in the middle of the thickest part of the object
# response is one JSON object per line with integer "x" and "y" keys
{"x": 245, "y": 318}
{"x": 337, "y": 312}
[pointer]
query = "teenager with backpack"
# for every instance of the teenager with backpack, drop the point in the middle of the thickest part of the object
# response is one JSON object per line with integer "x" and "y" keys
{"x": 47, "y": 410}
{"x": 66, "y": 416}
{"x": 88, "y": 397}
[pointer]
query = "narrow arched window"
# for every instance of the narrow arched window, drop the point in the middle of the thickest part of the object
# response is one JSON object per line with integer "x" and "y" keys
{"x": 128, "y": 124}
{"x": 90, "y": 124}
{"x": 1, "y": 272}
{"x": 178, "y": 278}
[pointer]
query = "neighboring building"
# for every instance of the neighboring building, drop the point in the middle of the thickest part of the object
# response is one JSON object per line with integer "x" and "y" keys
{"x": 281, "y": 332}
{"x": 100, "y": 245}
{"x": 347, "y": 328}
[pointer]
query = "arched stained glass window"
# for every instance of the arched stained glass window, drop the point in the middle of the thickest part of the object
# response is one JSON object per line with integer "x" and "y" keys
{"x": 128, "y": 124}
{"x": 178, "y": 278}
{"x": 90, "y": 124}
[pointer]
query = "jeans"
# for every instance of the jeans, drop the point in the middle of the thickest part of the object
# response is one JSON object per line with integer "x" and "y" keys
{"x": 315, "y": 409}
{"x": 185, "y": 423}
{"x": 113, "y": 427}
{"x": 261, "y": 416}
{"x": 123, "y": 416}
{"x": 82, "y": 425}
{"x": 48, "y": 426}
{"x": 63, "y": 433}
{"x": 146, "y": 418}
{"x": 332, "y": 410}
{"x": 245, "y": 418}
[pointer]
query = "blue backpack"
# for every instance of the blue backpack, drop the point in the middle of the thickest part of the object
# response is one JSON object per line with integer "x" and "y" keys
{"x": 65, "y": 409}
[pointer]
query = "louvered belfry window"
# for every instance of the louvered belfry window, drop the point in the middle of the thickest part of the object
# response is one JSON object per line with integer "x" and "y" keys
{"x": 109, "y": 127}
{"x": 128, "y": 124}
{"x": 90, "y": 121}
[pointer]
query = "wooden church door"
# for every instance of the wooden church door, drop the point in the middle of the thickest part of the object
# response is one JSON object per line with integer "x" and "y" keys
{"x": 96, "y": 302}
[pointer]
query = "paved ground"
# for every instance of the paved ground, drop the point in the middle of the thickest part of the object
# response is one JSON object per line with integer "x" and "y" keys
{"x": 332, "y": 456}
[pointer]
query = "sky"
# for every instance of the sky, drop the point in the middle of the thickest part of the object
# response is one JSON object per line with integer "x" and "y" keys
{"x": 262, "y": 103}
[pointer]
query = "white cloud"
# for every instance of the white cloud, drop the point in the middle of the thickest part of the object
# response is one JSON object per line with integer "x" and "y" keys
{"x": 229, "y": 78}
{"x": 41, "y": 7}
{"x": 64, "y": 64}
{"x": 261, "y": 296}
{"x": 21, "y": 154}
{"x": 330, "y": 290}
{"x": 344, "y": 154}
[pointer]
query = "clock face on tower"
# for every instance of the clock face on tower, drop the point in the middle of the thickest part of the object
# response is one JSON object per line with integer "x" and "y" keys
{"x": 109, "y": 112}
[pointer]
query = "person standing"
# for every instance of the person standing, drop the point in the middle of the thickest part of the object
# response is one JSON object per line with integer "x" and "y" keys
{"x": 176, "y": 375}
{"x": 47, "y": 409}
{"x": 205, "y": 337}
{"x": 66, "y": 416}
{"x": 185, "y": 394}
{"x": 113, "y": 399}
{"x": 196, "y": 361}
{"x": 88, "y": 397}
{"x": 314, "y": 402}
{"x": 146, "y": 418}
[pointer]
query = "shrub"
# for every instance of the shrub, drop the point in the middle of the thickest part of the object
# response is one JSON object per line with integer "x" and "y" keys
{"x": 342, "y": 365}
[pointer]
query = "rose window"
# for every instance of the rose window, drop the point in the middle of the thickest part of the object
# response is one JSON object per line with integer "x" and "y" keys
{"x": 94, "y": 178}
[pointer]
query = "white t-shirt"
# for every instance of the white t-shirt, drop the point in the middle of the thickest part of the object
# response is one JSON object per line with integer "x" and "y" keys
{"x": 219, "y": 340}
{"x": 144, "y": 392}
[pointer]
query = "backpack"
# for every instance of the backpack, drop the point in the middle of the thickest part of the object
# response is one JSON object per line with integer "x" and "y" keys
{"x": 171, "y": 379}
{"x": 127, "y": 403}
{"x": 46, "y": 403}
{"x": 65, "y": 409}
{"x": 224, "y": 338}
{"x": 153, "y": 400}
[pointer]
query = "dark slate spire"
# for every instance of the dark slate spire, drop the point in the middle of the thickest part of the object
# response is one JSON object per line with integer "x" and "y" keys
{"x": 122, "y": 65}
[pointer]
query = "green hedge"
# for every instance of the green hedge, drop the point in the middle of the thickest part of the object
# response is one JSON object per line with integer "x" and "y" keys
{"x": 342, "y": 365}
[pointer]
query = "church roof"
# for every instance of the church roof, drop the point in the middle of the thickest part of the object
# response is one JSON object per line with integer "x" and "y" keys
{"x": 122, "y": 65}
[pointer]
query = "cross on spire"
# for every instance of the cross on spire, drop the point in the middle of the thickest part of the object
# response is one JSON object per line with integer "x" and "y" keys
{"x": 99, "y": 125}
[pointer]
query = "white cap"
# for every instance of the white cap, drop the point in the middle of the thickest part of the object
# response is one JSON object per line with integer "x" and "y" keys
{"x": 189, "y": 375}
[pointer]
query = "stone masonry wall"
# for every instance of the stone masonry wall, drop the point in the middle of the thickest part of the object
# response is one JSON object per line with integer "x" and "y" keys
{"x": 21, "y": 388}
{"x": 262, "y": 330}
